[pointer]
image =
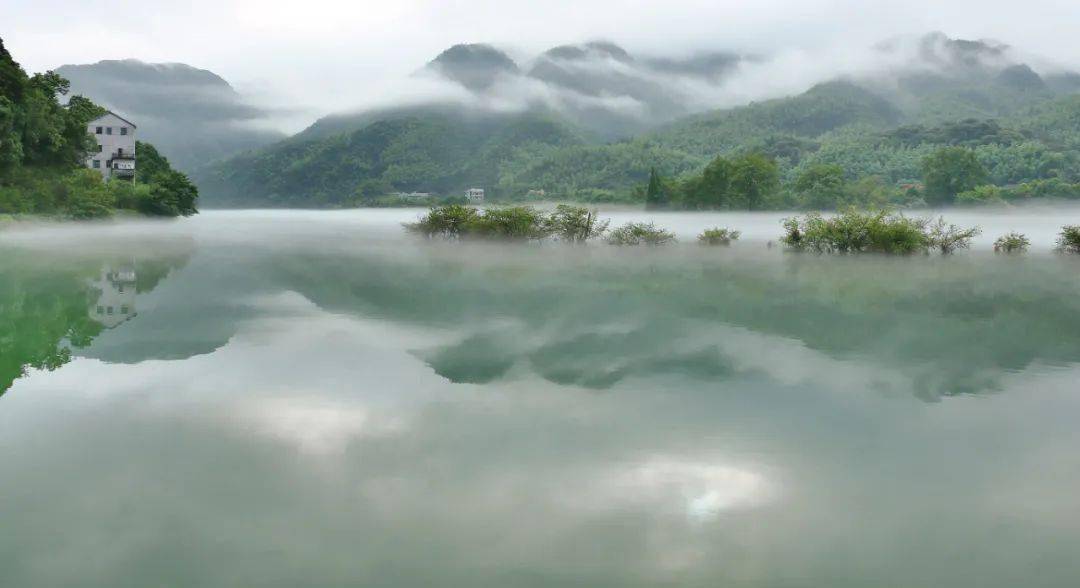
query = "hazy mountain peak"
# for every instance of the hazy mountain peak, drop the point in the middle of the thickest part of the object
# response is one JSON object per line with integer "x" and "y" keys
{"x": 192, "y": 115}
{"x": 134, "y": 71}
{"x": 476, "y": 66}
{"x": 589, "y": 50}
{"x": 1021, "y": 77}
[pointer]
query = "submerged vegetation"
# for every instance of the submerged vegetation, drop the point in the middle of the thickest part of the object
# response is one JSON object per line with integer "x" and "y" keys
{"x": 873, "y": 232}
{"x": 718, "y": 236}
{"x": 852, "y": 231}
{"x": 1012, "y": 243}
{"x": 1069, "y": 239}
{"x": 571, "y": 224}
{"x": 43, "y": 147}
{"x": 640, "y": 234}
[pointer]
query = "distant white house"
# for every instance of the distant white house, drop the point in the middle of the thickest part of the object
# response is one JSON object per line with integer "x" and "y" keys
{"x": 115, "y": 154}
{"x": 116, "y": 296}
{"x": 475, "y": 195}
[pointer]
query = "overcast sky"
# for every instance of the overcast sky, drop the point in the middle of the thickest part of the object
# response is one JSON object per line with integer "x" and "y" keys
{"x": 324, "y": 54}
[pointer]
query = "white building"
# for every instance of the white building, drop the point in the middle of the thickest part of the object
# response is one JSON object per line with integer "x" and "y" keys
{"x": 115, "y": 155}
{"x": 475, "y": 195}
{"x": 116, "y": 299}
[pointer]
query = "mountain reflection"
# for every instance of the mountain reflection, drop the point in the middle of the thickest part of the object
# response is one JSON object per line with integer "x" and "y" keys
{"x": 52, "y": 306}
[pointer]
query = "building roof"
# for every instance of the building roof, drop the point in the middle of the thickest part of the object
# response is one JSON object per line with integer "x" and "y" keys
{"x": 108, "y": 112}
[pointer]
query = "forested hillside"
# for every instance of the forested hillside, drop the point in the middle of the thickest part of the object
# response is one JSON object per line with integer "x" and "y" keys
{"x": 874, "y": 133}
{"x": 43, "y": 147}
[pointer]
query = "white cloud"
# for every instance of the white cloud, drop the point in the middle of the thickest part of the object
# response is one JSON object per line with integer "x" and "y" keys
{"x": 331, "y": 55}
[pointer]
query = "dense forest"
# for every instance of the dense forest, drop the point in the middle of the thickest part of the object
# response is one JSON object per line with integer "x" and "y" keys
{"x": 43, "y": 147}
{"x": 961, "y": 128}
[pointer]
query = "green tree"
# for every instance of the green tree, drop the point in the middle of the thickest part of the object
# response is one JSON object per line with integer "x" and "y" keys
{"x": 950, "y": 171}
{"x": 755, "y": 179}
{"x": 821, "y": 187}
{"x": 85, "y": 196}
{"x": 712, "y": 188}
{"x": 655, "y": 194}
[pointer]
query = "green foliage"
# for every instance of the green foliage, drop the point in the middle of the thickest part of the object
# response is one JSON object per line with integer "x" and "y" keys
{"x": 950, "y": 171}
{"x": 43, "y": 146}
{"x": 513, "y": 223}
{"x": 749, "y": 182}
{"x": 569, "y": 224}
{"x": 640, "y": 234}
{"x": 947, "y": 238}
{"x": 857, "y": 232}
{"x": 821, "y": 187}
{"x": 452, "y": 221}
{"x": 964, "y": 133}
{"x": 655, "y": 194}
{"x": 935, "y": 140}
{"x": 755, "y": 179}
{"x": 718, "y": 236}
{"x": 1069, "y": 239}
{"x": 1012, "y": 243}
{"x": 981, "y": 195}
{"x": 85, "y": 196}
{"x": 712, "y": 189}
{"x": 574, "y": 224}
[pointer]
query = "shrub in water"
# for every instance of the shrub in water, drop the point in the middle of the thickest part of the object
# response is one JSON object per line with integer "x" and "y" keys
{"x": 718, "y": 236}
{"x": 856, "y": 232}
{"x": 948, "y": 238}
{"x": 452, "y": 220}
{"x": 640, "y": 234}
{"x": 574, "y": 224}
{"x": 1069, "y": 239}
{"x": 1011, "y": 243}
{"x": 514, "y": 223}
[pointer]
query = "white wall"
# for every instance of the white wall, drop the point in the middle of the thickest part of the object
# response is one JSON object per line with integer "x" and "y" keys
{"x": 110, "y": 144}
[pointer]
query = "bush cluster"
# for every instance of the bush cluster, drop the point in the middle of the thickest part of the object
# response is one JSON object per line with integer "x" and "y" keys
{"x": 1069, "y": 239}
{"x": 572, "y": 224}
{"x": 718, "y": 236}
{"x": 640, "y": 234}
{"x": 881, "y": 231}
{"x": 1011, "y": 243}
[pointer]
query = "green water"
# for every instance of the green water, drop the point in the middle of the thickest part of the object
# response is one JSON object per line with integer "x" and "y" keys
{"x": 314, "y": 399}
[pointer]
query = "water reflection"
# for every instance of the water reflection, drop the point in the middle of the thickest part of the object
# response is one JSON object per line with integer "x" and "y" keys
{"x": 378, "y": 412}
{"x": 55, "y": 305}
{"x": 115, "y": 301}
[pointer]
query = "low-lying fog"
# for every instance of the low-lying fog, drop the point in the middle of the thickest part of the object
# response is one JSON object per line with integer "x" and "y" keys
{"x": 283, "y": 398}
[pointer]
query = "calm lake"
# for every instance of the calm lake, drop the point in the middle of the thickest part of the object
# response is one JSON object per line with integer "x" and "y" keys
{"x": 293, "y": 398}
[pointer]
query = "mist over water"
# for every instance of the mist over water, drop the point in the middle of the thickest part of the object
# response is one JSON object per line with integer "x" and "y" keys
{"x": 317, "y": 398}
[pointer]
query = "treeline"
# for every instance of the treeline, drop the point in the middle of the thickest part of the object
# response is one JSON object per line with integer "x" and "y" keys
{"x": 43, "y": 149}
{"x": 882, "y": 230}
{"x": 752, "y": 181}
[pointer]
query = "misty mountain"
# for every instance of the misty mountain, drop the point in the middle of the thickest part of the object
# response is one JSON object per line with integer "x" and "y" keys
{"x": 192, "y": 115}
{"x": 476, "y": 66}
{"x": 439, "y": 150}
{"x": 595, "y": 119}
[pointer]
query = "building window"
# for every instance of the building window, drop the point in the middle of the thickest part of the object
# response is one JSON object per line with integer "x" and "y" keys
{"x": 97, "y": 164}
{"x": 99, "y": 148}
{"x": 101, "y": 310}
{"x": 120, "y": 288}
{"x": 109, "y": 310}
{"x": 120, "y": 152}
{"x": 123, "y": 130}
{"x": 123, "y": 310}
{"x": 98, "y": 130}
{"x": 108, "y": 130}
